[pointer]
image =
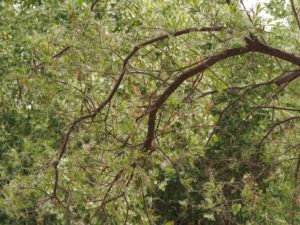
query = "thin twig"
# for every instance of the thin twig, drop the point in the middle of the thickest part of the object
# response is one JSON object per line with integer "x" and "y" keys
{"x": 295, "y": 13}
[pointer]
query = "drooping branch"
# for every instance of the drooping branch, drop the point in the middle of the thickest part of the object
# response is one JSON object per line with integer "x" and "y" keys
{"x": 177, "y": 82}
{"x": 253, "y": 45}
{"x": 91, "y": 115}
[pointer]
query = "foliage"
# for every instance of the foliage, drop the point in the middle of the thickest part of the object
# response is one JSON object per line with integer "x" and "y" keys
{"x": 84, "y": 82}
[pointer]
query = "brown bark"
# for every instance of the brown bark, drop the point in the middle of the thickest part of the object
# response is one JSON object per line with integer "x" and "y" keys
{"x": 253, "y": 45}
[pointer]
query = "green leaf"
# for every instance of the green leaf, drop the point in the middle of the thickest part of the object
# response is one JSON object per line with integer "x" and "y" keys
{"x": 235, "y": 208}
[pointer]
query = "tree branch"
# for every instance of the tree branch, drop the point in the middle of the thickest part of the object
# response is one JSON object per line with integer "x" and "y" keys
{"x": 287, "y": 78}
{"x": 295, "y": 13}
{"x": 253, "y": 45}
{"x": 94, "y": 4}
{"x": 73, "y": 125}
{"x": 275, "y": 125}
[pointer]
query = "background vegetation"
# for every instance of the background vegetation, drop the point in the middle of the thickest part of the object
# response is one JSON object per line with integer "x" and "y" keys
{"x": 149, "y": 112}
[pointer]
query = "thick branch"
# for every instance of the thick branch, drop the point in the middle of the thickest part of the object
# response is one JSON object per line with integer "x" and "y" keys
{"x": 198, "y": 69}
{"x": 253, "y": 45}
{"x": 287, "y": 78}
{"x": 114, "y": 90}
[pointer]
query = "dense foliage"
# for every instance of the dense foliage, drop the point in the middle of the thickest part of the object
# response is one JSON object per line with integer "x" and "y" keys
{"x": 149, "y": 112}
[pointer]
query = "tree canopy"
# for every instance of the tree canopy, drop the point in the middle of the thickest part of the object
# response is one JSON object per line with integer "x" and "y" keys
{"x": 149, "y": 112}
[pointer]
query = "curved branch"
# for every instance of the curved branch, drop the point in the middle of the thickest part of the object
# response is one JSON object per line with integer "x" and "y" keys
{"x": 275, "y": 125}
{"x": 178, "y": 81}
{"x": 92, "y": 115}
{"x": 253, "y": 45}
